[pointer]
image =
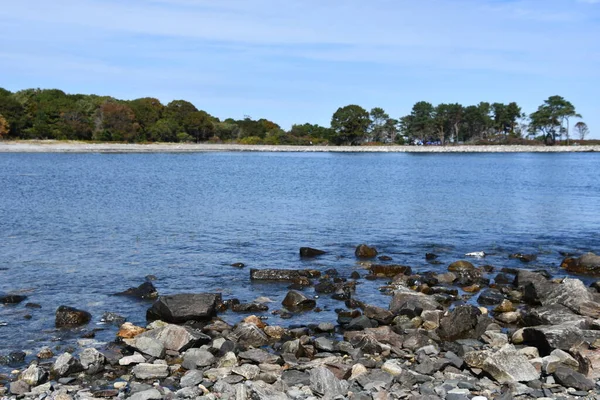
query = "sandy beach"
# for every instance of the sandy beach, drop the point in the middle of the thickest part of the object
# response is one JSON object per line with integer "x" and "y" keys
{"x": 82, "y": 147}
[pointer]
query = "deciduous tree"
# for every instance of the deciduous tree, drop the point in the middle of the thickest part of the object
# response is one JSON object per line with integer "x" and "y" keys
{"x": 350, "y": 124}
{"x": 582, "y": 130}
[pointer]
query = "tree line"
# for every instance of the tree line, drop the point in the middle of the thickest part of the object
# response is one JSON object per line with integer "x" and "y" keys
{"x": 54, "y": 114}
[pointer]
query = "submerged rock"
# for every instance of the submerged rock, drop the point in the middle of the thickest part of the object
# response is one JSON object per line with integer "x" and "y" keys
{"x": 282, "y": 275}
{"x": 145, "y": 291}
{"x": 307, "y": 252}
{"x": 180, "y": 308}
{"x": 12, "y": 299}
{"x": 71, "y": 317}
{"x": 296, "y": 301}
{"x": 364, "y": 251}
{"x": 523, "y": 257}
{"x": 389, "y": 271}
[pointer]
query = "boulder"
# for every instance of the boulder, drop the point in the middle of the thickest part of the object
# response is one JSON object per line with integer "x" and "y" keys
{"x": 34, "y": 375}
{"x": 92, "y": 360}
{"x": 412, "y": 304}
{"x": 549, "y": 337}
{"x": 364, "y": 251}
{"x": 66, "y": 364}
{"x": 460, "y": 265}
{"x": 381, "y": 315}
{"x": 308, "y": 252}
{"x": 508, "y": 365}
{"x": 197, "y": 358}
{"x": 180, "y": 308}
{"x": 128, "y": 330}
{"x": 587, "y": 264}
{"x": 249, "y": 335}
{"x": 460, "y": 323}
{"x": 389, "y": 271}
{"x": 145, "y": 291}
{"x": 570, "y": 378}
{"x": 249, "y": 307}
{"x": 466, "y": 273}
{"x": 296, "y": 301}
{"x": 11, "y": 299}
{"x": 324, "y": 382}
{"x": 147, "y": 345}
{"x": 19, "y": 388}
{"x": 171, "y": 337}
{"x": 535, "y": 286}
{"x": 71, "y": 317}
{"x": 490, "y": 297}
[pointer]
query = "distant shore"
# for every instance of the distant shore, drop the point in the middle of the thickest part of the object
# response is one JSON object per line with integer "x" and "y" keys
{"x": 51, "y": 146}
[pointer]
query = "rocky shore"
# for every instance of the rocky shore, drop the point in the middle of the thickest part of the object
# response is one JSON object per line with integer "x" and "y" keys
{"x": 51, "y": 146}
{"x": 527, "y": 335}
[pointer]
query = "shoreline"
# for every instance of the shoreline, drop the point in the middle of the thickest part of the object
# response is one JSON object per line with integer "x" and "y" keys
{"x": 51, "y": 146}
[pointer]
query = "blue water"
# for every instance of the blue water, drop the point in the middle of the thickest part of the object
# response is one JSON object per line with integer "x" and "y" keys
{"x": 76, "y": 228}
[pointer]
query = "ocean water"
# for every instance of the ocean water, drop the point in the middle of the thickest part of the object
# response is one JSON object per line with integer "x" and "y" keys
{"x": 77, "y": 228}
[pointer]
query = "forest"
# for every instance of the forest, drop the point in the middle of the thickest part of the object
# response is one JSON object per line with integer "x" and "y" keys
{"x": 54, "y": 114}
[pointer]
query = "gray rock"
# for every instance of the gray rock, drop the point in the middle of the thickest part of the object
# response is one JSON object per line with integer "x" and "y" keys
{"x": 323, "y": 381}
{"x": 188, "y": 393}
{"x": 324, "y": 344}
{"x": 410, "y": 303}
{"x": 458, "y": 394}
{"x": 150, "y": 371}
{"x": 34, "y": 375}
{"x": 148, "y": 345}
{"x": 293, "y": 377}
{"x": 263, "y": 391}
{"x": 19, "y": 387}
{"x": 173, "y": 337}
{"x": 66, "y": 364}
{"x": 197, "y": 358}
{"x": 248, "y": 371}
{"x": 508, "y": 365}
{"x": 569, "y": 378}
{"x": 459, "y": 323}
{"x": 249, "y": 335}
{"x": 183, "y": 307}
{"x": 192, "y": 378}
{"x": 296, "y": 301}
{"x": 259, "y": 356}
{"x": 92, "y": 360}
{"x": 136, "y": 358}
{"x": 150, "y": 394}
{"x": 145, "y": 291}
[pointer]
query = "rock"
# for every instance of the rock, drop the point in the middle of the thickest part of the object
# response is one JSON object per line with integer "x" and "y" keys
{"x": 19, "y": 387}
{"x": 173, "y": 337}
{"x": 587, "y": 264}
{"x": 459, "y": 323}
{"x": 461, "y": 265}
{"x": 180, "y": 308}
{"x": 248, "y": 371}
{"x": 66, "y": 364}
{"x": 136, "y": 358}
{"x": 149, "y": 346}
{"x": 546, "y": 337}
{"x": 510, "y": 317}
{"x": 197, "y": 358}
{"x": 33, "y": 375}
{"x": 324, "y": 344}
{"x": 150, "y": 371}
{"x": 67, "y": 317}
{"x": 150, "y": 394}
{"x": 504, "y": 306}
{"x": 523, "y": 257}
{"x": 392, "y": 367}
{"x": 293, "y": 378}
{"x": 389, "y": 271}
{"x": 192, "y": 378}
{"x": 570, "y": 378}
{"x": 145, "y": 291}
{"x": 129, "y": 331}
{"x": 275, "y": 332}
{"x": 535, "y": 286}
{"x": 261, "y": 390}
{"x": 92, "y": 360}
{"x": 259, "y": 356}
{"x": 238, "y": 265}
{"x": 296, "y": 301}
{"x": 411, "y": 304}
{"x": 12, "y": 299}
{"x": 308, "y": 252}
{"x": 323, "y": 382}
{"x": 281, "y": 275}
{"x": 249, "y": 335}
{"x": 112, "y": 318}
{"x": 490, "y": 297}
{"x": 364, "y": 251}
{"x": 45, "y": 353}
{"x": 566, "y": 359}
{"x": 249, "y": 307}
{"x": 507, "y": 365}
{"x": 549, "y": 364}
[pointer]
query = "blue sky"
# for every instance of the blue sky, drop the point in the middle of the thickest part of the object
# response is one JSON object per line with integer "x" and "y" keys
{"x": 298, "y": 61}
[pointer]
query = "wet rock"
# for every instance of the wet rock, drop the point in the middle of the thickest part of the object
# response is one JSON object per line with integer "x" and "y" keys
{"x": 389, "y": 271}
{"x": 66, "y": 364}
{"x": 180, "y": 308}
{"x": 150, "y": 371}
{"x": 430, "y": 256}
{"x": 308, "y": 252}
{"x": 508, "y": 365}
{"x": 490, "y": 297}
{"x": 281, "y": 275}
{"x": 461, "y": 265}
{"x": 296, "y": 301}
{"x": 249, "y": 335}
{"x": 67, "y": 317}
{"x": 92, "y": 360}
{"x": 324, "y": 382}
{"x": 570, "y": 378}
{"x": 459, "y": 323}
{"x": 587, "y": 264}
{"x": 249, "y": 307}
{"x": 364, "y": 251}
{"x": 411, "y": 304}
{"x": 34, "y": 375}
{"x": 523, "y": 257}
{"x": 112, "y": 318}
{"x": 45, "y": 353}
{"x": 238, "y": 265}
{"x": 12, "y": 299}
{"x": 145, "y": 291}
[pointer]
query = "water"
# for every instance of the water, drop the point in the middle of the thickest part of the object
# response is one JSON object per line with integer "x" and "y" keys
{"x": 76, "y": 228}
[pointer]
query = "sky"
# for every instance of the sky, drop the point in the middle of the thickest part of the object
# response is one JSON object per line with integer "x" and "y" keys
{"x": 297, "y": 61}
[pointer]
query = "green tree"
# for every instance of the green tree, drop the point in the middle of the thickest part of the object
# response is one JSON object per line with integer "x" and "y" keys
{"x": 164, "y": 130}
{"x": 419, "y": 123}
{"x": 350, "y": 124}
{"x": 116, "y": 121}
{"x": 442, "y": 121}
{"x": 4, "y": 127}
{"x": 199, "y": 125}
{"x": 147, "y": 111}
{"x": 455, "y": 115}
{"x": 582, "y": 130}
{"x": 378, "y": 120}
{"x": 550, "y": 117}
